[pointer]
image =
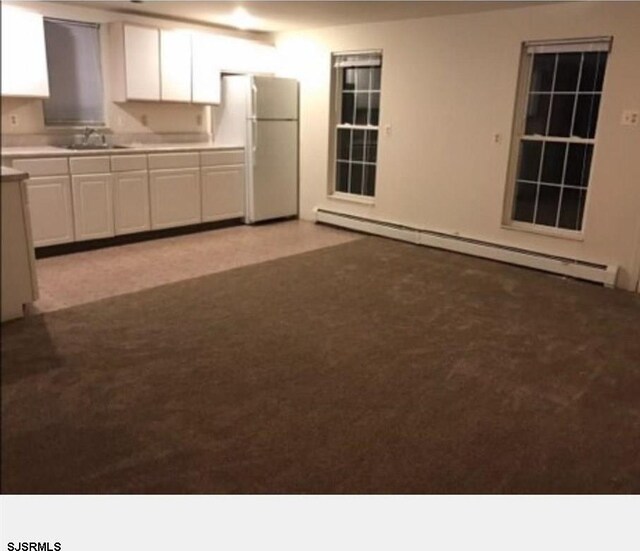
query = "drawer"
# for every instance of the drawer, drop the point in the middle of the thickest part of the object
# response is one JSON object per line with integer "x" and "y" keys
{"x": 122, "y": 163}
{"x": 174, "y": 160}
{"x": 214, "y": 158}
{"x": 89, "y": 165}
{"x": 54, "y": 166}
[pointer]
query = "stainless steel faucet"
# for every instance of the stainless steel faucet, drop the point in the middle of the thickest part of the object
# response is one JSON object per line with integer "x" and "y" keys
{"x": 88, "y": 131}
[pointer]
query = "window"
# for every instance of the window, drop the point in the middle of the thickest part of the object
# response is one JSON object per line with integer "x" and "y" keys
{"x": 556, "y": 132}
{"x": 75, "y": 77}
{"x": 356, "y": 116}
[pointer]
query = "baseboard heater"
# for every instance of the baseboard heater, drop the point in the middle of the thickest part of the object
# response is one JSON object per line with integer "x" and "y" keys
{"x": 579, "y": 269}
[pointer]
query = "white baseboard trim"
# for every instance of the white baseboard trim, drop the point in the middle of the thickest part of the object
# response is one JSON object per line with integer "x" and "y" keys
{"x": 599, "y": 273}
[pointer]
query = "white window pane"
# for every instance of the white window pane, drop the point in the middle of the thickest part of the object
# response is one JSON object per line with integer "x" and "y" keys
{"x": 362, "y": 107}
{"x": 347, "y": 108}
{"x": 567, "y": 72}
{"x": 355, "y": 182}
{"x": 561, "y": 114}
{"x": 369, "y": 180}
{"x": 572, "y": 209}
{"x": 525, "y": 202}
{"x": 547, "y": 206}
{"x": 542, "y": 72}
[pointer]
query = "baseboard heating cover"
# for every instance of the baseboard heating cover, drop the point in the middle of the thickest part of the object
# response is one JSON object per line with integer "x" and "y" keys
{"x": 589, "y": 271}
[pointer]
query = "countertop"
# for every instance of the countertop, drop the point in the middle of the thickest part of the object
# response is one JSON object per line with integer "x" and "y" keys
{"x": 12, "y": 174}
{"x": 54, "y": 151}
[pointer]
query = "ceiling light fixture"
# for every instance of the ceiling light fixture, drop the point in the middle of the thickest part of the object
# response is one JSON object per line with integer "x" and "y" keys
{"x": 242, "y": 19}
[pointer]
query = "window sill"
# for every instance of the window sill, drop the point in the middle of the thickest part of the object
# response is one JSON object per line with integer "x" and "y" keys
{"x": 349, "y": 198}
{"x": 545, "y": 231}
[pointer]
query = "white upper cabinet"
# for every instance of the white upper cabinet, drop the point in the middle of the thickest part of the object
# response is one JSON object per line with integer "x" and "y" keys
{"x": 178, "y": 65}
{"x": 205, "y": 69}
{"x": 142, "y": 61}
{"x": 135, "y": 60}
{"x": 24, "y": 57}
{"x": 175, "y": 66}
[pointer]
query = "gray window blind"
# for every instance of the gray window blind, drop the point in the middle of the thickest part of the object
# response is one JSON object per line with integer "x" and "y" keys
{"x": 600, "y": 44}
{"x": 364, "y": 59}
{"x": 75, "y": 76}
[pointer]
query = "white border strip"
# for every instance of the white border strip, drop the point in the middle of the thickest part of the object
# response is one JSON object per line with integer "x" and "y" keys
{"x": 606, "y": 274}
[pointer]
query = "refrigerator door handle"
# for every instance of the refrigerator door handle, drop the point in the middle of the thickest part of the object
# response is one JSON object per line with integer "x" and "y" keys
{"x": 254, "y": 116}
{"x": 254, "y": 99}
{"x": 254, "y": 123}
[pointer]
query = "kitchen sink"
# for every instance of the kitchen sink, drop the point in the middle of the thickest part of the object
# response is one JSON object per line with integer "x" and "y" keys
{"x": 94, "y": 147}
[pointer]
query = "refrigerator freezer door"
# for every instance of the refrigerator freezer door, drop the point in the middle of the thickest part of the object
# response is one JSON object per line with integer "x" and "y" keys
{"x": 273, "y": 185}
{"x": 275, "y": 98}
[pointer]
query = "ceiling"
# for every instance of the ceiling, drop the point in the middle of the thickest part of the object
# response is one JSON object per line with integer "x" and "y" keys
{"x": 268, "y": 16}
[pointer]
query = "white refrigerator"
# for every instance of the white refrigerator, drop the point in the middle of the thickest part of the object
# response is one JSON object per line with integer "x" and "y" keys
{"x": 261, "y": 115}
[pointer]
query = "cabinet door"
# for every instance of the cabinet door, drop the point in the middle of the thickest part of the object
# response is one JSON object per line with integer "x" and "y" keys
{"x": 175, "y": 197}
{"x": 92, "y": 206}
{"x": 50, "y": 210}
{"x": 131, "y": 202}
{"x": 205, "y": 69}
{"x": 24, "y": 57}
{"x": 17, "y": 279}
{"x": 222, "y": 193}
{"x": 142, "y": 62}
{"x": 175, "y": 65}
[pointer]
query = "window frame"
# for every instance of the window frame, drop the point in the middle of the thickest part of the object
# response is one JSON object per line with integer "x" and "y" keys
{"x": 72, "y": 128}
{"x": 518, "y": 136}
{"x": 336, "y": 104}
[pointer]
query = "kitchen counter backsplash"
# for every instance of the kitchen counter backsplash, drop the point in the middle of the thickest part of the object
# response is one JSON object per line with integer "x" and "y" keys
{"x": 62, "y": 140}
{"x": 131, "y": 145}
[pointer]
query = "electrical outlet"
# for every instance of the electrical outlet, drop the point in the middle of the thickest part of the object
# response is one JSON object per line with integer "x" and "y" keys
{"x": 13, "y": 120}
{"x": 630, "y": 118}
{"x": 144, "y": 119}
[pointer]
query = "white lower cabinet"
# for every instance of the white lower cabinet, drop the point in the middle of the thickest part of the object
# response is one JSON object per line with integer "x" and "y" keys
{"x": 222, "y": 193}
{"x": 130, "y": 192}
{"x": 51, "y": 211}
{"x": 93, "y": 206}
{"x": 131, "y": 202}
{"x": 175, "y": 197}
{"x": 18, "y": 279}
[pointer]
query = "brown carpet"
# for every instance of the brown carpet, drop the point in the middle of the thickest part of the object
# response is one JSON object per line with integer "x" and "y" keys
{"x": 368, "y": 367}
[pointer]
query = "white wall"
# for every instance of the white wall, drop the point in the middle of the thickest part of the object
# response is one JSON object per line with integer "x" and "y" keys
{"x": 448, "y": 85}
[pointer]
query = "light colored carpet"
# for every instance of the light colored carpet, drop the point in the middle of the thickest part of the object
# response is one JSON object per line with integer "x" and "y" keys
{"x": 79, "y": 278}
